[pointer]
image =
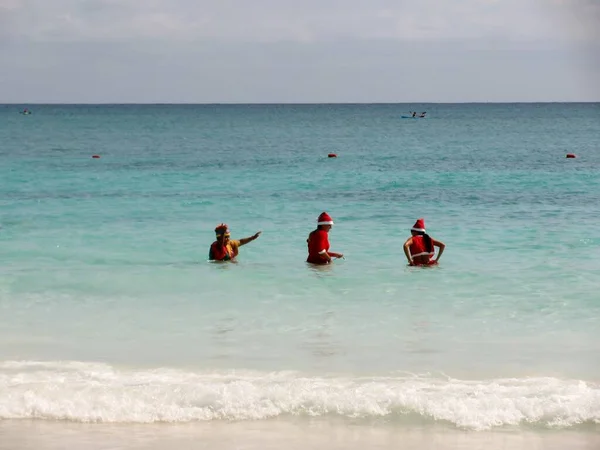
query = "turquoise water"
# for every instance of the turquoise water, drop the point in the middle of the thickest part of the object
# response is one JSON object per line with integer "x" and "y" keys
{"x": 107, "y": 300}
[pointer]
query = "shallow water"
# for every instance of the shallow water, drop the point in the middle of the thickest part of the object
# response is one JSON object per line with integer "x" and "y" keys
{"x": 109, "y": 311}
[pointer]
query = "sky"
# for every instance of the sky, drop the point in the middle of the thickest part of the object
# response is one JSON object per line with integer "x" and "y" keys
{"x": 299, "y": 51}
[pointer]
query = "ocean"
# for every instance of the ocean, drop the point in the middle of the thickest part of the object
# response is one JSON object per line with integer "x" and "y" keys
{"x": 116, "y": 332}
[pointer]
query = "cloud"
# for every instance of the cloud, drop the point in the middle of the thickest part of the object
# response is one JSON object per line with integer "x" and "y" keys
{"x": 578, "y": 19}
{"x": 293, "y": 20}
{"x": 298, "y": 51}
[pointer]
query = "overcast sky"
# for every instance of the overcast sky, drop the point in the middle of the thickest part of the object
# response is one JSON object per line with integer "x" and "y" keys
{"x": 257, "y": 51}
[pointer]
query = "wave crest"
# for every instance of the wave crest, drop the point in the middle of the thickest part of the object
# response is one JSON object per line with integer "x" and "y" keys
{"x": 89, "y": 392}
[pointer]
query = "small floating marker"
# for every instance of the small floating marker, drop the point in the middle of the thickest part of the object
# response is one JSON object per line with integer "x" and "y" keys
{"x": 571, "y": 155}
{"x": 96, "y": 156}
{"x": 332, "y": 155}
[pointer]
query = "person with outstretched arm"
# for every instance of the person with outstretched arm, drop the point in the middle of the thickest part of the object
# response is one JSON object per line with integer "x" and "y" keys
{"x": 224, "y": 248}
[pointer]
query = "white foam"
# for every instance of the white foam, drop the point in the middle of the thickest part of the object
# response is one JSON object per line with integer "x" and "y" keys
{"x": 89, "y": 392}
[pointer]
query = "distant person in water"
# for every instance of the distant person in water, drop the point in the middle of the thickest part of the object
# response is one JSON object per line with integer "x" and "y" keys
{"x": 419, "y": 248}
{"x": 414, "y": 114}
{"x": 318, "y": 242}
{"x": 224, "y": 248}
{"x": 423, "y": 114}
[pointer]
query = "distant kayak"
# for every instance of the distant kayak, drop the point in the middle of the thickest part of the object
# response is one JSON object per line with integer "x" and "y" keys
{"x": 411, "y": 117}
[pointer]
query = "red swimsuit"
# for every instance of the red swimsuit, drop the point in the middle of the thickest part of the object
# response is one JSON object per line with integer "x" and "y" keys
{"x": 418, "y": 251}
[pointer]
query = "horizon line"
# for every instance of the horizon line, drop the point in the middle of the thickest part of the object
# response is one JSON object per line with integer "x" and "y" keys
{"x": 299, "y": 103}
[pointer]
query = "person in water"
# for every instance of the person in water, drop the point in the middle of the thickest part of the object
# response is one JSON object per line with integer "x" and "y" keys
{"x": 414, "y": 113}
{"x": 224, "y": 248}
{"x": 419, "y": 248}
{"x": 318, "y": 242}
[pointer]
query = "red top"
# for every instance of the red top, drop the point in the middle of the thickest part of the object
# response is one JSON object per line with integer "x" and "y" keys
{"x": 418, "y": 249}
{"x": 318, "y": 241}
{"x": 220, "y": 252}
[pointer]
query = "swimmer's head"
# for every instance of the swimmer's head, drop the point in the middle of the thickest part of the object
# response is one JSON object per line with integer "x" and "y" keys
{"x": 324, "y": 221}
{"x": 418, "y": 227}
{"x": 222, "y": 231}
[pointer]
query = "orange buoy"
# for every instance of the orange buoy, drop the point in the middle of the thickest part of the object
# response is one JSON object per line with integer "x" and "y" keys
{"x": 571, "y": 155}
{"x": 332, "y": 155}
{"x": 96, "y": 156}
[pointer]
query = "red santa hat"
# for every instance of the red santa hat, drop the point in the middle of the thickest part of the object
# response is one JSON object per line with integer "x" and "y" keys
{"x": 419, "y": 226}
{"x": 324, "y": 219}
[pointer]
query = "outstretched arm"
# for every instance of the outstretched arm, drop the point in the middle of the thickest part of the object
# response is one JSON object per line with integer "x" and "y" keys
{"x": 406, "y": 250}
{"x": 335, "y": 255}
{"x": 244, "y": 241}
{"x": 441, "y": 246}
